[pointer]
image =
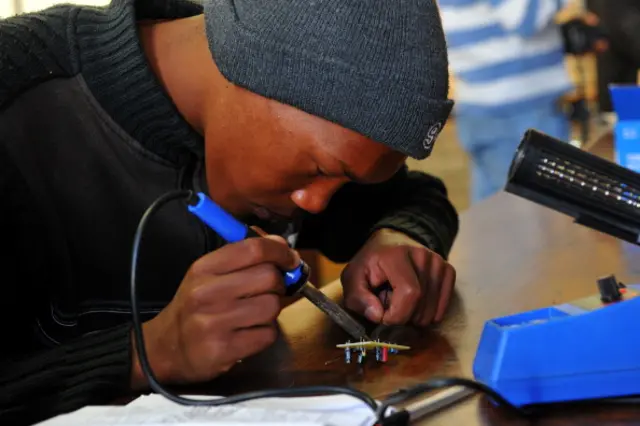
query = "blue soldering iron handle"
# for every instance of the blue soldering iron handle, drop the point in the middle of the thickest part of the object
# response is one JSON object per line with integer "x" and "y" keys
{"x": 232, "y": 231}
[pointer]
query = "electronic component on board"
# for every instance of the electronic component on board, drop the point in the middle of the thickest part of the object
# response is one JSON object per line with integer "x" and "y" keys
{"x": 382, "y": 350}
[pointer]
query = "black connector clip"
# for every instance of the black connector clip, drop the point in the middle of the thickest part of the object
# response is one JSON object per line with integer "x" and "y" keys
{"x": 399, "y": 418}
{"x": 609, "y": 288}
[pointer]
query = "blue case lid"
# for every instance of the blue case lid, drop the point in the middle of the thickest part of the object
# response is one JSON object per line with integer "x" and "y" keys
{"x": 626, "y": 101}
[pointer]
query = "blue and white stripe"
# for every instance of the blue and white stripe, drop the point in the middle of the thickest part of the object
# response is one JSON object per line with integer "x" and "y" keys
{"x": 504, "y": 54}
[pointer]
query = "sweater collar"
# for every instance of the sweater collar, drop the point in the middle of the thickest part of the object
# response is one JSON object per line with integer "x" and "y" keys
{"x": 115, "y": 68}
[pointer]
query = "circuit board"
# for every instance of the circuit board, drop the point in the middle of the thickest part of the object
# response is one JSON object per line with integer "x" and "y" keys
{"x": 382, "y": 350}
{"x": 372, "y": 345}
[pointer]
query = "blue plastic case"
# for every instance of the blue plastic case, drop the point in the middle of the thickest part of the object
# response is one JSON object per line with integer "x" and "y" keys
{"x": 584, "y": 349}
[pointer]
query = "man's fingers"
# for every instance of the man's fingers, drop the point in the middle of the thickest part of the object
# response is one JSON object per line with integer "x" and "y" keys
{"x": 433, "y": 288}
{"x": 246, "y": 253}
{"x": 249, "y": 341}
{"x": 255, "y": 311}
{"x": 253, "y": 281}
{"x": 373, "y": 309}
{"x": 421, "y": 263}
{"x": 361, "y": 299}
{"x": 407, "y": 290}
{"x": 448, "y": 283}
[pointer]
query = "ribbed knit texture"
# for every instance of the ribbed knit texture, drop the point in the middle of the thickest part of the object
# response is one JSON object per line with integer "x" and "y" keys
{"x": 92, "y": 370}
{"x": 379, "y": 68}
{"x": 102, "y": 44}
{"x": 116, "y": 70}
{"x": 50, "y": 53}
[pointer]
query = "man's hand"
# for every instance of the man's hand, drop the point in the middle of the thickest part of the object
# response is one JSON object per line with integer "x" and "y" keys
{"x": 593, "y": 20}
{"x": 582, "y": 34}
{"x": 422, "y": 281}
{"x": 225, "y": 310}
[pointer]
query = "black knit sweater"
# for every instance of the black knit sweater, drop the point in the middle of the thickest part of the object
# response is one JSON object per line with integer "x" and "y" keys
{"x": 88, "y": 139}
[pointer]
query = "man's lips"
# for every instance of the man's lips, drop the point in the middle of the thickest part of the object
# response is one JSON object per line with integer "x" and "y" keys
{"x": 264, "y": 213}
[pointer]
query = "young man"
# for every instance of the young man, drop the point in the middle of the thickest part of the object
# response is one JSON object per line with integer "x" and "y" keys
{"x": 285, "y": 112}
{"x": 507, "y": 58}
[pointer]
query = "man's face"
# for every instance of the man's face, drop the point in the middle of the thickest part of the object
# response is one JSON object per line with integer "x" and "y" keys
{"x": 272, "y": 160}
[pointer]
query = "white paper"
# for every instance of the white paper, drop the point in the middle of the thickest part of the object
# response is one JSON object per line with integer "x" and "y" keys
{"x": 333, "y": 403}
{"x": 339, "y": 410}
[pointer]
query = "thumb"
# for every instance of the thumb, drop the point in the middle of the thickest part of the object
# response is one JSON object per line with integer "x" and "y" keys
{"x": 260, "y": 232}
{"x": 366, "y": 303}
{"x": 279, "y": 239}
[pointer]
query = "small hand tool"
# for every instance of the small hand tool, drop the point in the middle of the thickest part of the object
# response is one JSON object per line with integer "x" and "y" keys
{"x": 296, "y": 280}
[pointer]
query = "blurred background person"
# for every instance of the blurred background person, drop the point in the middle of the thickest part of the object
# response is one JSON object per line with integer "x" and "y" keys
{"x": 508, "y": 61}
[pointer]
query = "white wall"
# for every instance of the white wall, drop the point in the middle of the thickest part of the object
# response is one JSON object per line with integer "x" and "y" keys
{"x": 35, "y": 5}
{"x": 7, "y": 6}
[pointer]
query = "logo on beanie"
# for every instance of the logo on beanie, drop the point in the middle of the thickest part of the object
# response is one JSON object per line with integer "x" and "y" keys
{"x": 430, "y": 139}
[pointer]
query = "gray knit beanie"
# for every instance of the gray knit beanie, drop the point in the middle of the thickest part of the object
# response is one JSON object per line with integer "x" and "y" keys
{"x": 378, "y": 67}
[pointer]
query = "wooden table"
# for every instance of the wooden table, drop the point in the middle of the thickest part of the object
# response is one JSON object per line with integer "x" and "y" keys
{"x": 511, "y": 255}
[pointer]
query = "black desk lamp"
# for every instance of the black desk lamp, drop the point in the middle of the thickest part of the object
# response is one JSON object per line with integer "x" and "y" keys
{"x": 596, "y": 192}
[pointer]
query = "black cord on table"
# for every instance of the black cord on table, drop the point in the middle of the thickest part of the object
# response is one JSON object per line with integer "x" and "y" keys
{"x": 401, "y": 417}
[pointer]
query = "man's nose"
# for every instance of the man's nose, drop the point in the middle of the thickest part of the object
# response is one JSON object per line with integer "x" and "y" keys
{"x": 315, "y": 197}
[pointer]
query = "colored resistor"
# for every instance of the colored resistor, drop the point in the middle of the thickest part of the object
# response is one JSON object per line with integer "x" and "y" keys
{"x": 378, "y": 354}
{"x": 384, "y": 354}
{"x": 347, "y": 355}
{"x": 360, "y": 357}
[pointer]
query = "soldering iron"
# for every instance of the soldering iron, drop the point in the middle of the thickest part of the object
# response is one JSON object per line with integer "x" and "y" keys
{"x": 295, "y": 281}
{"x": 232, "y": 231}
